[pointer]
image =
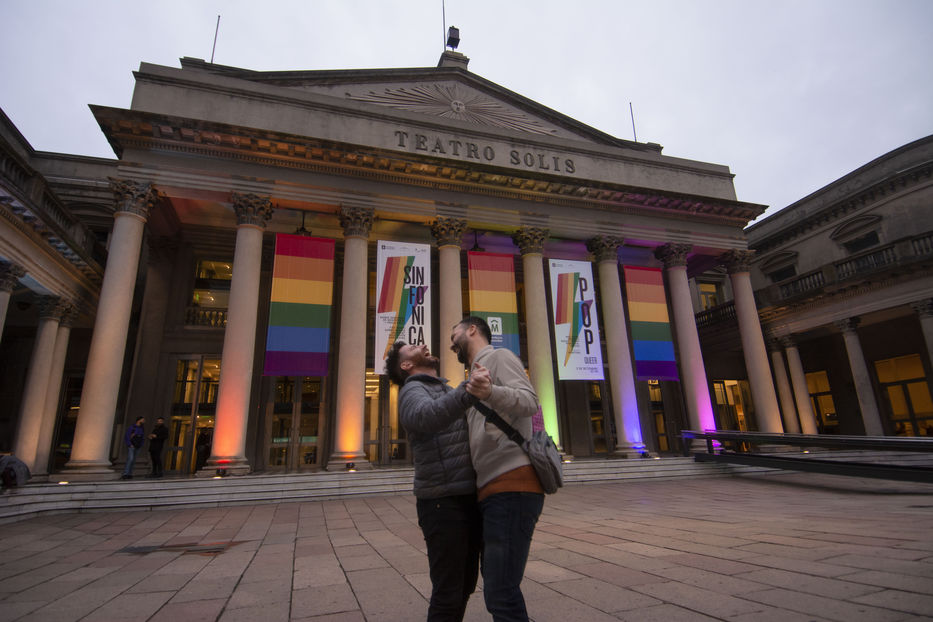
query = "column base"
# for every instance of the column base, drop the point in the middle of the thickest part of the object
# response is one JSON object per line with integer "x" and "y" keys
{"x": 631, "y": 450}
{"x": 351, "y": 462}
{"x": 87, "y": 471}
{"x": 224, "y": 467}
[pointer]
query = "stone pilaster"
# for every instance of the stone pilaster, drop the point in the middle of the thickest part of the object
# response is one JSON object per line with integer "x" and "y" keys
{"x": 767, "y": 412}
{"x": 357, "y": 223}
{"x": 871, "y": 417}
{"x": 924, "y": 310}
{"x": 228, "y": 451}
{"x": 629, "y": 441}
{"x": 530, "y": 241}
{"x": 788, "y": 409}
{"x": 690, "y": 356}
{"x": 90, "y": 454}
{"x": 448, "y": 233}
{"x": 10, "y": 274}
{"x": 798, "y": 381}
{"x": 50, "y": 411}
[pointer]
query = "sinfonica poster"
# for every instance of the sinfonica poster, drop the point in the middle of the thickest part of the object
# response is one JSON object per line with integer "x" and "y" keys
{"x": 403, "y": 306}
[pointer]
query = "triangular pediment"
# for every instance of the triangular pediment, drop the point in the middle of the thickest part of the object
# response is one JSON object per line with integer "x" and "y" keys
{"x": 442, "y": 93}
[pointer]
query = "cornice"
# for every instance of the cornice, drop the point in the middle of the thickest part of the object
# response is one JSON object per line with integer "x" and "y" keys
{"x": 147, "y": 131}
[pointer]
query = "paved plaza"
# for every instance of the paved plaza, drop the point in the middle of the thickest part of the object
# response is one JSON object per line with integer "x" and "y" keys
{"x": 782, "y": 547}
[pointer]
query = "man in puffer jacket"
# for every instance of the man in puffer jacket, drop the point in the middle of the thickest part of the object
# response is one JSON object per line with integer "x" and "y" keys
{"x": 433, "y": 414}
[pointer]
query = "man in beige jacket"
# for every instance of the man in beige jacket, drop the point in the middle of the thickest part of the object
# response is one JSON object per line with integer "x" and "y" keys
{"x": 509, "y": 493}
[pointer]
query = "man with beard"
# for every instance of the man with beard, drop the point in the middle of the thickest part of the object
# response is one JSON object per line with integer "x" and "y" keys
{"x": 432, "y": 414}
{"x": 508, "y": 490}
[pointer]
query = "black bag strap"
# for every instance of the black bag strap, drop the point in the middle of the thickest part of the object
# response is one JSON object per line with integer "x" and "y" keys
{"x": 494, "y": 417}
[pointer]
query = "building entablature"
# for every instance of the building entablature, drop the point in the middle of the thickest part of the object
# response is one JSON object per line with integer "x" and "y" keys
{"x": 495, "y": 132}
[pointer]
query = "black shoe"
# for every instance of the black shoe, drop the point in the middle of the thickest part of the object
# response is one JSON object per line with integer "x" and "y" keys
{"x": 126, "y": 476}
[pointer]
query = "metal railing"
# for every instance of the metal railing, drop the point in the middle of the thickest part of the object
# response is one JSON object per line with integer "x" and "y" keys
{"x": 206, "y": 316}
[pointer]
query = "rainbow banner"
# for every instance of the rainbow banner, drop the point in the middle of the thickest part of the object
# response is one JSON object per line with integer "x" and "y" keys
{"x": 403, "y": 308}
{"x": 492, "y": 296}
{"x": 298, "y": 339}
{"x": 651, "y": 328}
{"x": 576, "y": 328}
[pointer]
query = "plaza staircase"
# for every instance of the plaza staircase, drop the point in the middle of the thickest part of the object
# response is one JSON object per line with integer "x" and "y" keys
{"x": 190, "y": 492}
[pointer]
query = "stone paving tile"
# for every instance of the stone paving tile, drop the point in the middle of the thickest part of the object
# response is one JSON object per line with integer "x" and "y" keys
{"x": 920, "y": 604}
{"x": 713, "y": 581}
{"x": 663, "y": 613}
{"x": 383, "y": 594}
{"x": 322, "y": 600}
{"x": 278, "y": 612}
{"x": 832, "y": 588}
{"x": 893, "y": 580}
{"x": 205, "y": 610}
{"x": 603, "y": 596}
{"x": 830, "y": 608}
{"x": 698, "y": 599}
{"x": 130, "y": 607}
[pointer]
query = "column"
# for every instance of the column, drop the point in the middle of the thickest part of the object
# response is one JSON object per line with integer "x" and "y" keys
{"x": 801, "y": 393}
{"x": 860, "y": 376}
{"x": 357, "y": 222}
{"x": 10, "y": 274}
{"x": 228, "y": 452}
{"x": 50, "y": 412}
{"x": 448, "y": 233}
{"x": 530, "y": 241}
{"x": 629, "y": 443}
{"x": 788, "y": 410}
{"x": 37, "y": 381}
{"x": 696, "y": 388}
{"x": 924, "y": 309}
{"x": 767, "y": 412}
{"x": 90, "y": 453}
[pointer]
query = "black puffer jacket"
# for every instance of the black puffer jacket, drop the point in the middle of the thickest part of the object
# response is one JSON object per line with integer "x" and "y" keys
{"x": 433, "y": 415}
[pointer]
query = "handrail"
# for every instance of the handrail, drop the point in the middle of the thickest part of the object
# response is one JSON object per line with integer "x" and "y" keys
{"x": 890, "y": 443}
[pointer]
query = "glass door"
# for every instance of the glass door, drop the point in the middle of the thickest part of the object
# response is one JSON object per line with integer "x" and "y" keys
{"x": 293, "y": 424}
{"x": 191, "y": 421}
{"x": 910, "y": 407}
{"x": 384, "y": 440}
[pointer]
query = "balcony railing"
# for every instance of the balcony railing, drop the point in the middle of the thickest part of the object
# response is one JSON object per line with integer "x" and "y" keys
{"x": 720, "y": 313}
{"x": 801, "y": 284}
{"x": 206, "y": 316}
{"x": 865, "y": 264}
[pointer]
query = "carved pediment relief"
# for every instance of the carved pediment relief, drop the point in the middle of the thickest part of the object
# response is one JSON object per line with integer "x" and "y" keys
{"x": 855, "y": 228}
{"x": 451, "y": 100}
{"x": 778, "y": 260}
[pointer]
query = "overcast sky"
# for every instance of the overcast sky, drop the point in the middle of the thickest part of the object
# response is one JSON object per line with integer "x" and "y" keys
{"x": 790, "y": 94}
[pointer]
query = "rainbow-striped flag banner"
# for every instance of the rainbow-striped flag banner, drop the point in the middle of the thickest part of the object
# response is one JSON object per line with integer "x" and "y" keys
{"x": 298, "y": 338}
{"x": 576, "y": 328}
{"x": 403, "y": 309}
{"x": 492, "y": 296}
{"x": 652, "y": 342}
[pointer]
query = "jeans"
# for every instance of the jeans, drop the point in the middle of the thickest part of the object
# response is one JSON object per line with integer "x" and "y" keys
{"x": 509, "y": 520}
{"x": 451, "y": 528}
{"x": 130, "y": 460}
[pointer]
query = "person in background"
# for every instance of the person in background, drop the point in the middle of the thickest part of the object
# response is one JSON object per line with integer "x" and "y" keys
{"x": 510, "y": 495}
{"x": 433, "y": 415}
{"x": 156, "y": 442}
{"x": 134, "y": 437}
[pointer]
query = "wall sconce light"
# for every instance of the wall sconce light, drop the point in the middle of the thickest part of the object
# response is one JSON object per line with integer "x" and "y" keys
{"x": 221, "y": 472}
{"x": 351, "y": 467}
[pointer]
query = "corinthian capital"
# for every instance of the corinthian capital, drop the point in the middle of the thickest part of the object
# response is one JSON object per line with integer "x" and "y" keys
{"x": 252, "y": 209}
{"x": 530, "y": 240}
{"x": 10, "y": 274}
{"x": 448, "y": 231}
{"x": 736, "y": 260}
{"x": 356, "y": 221}
{"x": 51, "y": 307}
{"x": 672, "y": 255}
{"x": 604, "y": 247}
{"x": 133, "y": 197}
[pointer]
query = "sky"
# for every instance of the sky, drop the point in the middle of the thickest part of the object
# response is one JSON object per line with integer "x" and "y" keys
{"x": 790, "y": 94}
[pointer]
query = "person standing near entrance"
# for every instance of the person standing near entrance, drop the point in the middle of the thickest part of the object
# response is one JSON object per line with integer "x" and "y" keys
{"x": 510, "y": 495}
{"x": 433, "y": 415}
{"x": 134, "y": 437}
{"x": 156, "y": 443}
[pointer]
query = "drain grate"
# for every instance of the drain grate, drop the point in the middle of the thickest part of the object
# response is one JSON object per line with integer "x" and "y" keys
{"x": 210, "y": 548}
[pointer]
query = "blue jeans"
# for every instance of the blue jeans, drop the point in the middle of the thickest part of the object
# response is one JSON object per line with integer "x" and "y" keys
{"x": 451, "y": 527}
{"x": 509, "y": 520}
{"x": 130, "y": 459}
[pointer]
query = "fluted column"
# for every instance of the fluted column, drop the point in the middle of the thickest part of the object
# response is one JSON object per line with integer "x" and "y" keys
{"x": 801, "y": 393}
{"x": 788, "y": 409}
{"x": 629, "y": 443}
{"x": 357, "y": 222}
{"x": 10, "y": 274}
{"x": 767, "y": 412}
{"x": 90, "y": 451}
{"x": 37, "y": 381}
{"x": 448, "y": 233}
{"x": 50, "y": 412}
{"x": 696, "y": 389}
{"x": 860, "y": 376}
{"x": 530, "y": 241}
{"x": 924, "y": 309}
{"x": 228, "y": 451}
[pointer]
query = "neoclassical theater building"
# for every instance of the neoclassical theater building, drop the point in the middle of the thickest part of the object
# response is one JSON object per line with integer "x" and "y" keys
{"x": 844, "y": 284}
{"x": 146, "y": 285}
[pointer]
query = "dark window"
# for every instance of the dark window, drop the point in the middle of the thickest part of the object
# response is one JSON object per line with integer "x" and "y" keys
{"x": 861, "y": 243}
{"x": 783, "y": 273}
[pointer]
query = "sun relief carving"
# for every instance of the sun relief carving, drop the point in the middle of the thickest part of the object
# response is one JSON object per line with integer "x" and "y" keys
{"x": 451, "y": 101}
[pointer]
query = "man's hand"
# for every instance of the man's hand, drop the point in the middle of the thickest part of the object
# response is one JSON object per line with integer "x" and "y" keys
{"x": 480, "y": 383}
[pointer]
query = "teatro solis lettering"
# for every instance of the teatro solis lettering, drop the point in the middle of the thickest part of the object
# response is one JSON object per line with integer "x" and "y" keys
{"x": 472, "y": 151}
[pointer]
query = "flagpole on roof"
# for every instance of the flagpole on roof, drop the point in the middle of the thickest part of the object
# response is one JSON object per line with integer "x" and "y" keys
{"x": 216, "y": 30}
